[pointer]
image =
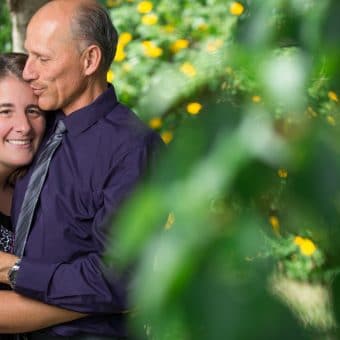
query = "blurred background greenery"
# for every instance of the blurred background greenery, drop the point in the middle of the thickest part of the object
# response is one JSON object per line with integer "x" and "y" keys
{"x": 235, "y": 234}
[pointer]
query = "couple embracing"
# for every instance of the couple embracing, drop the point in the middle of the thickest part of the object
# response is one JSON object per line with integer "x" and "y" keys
{"x": 88, "y": 152}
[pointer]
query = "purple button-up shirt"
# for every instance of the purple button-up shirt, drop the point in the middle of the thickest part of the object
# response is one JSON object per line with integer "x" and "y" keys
{"x": 103, "y": 154}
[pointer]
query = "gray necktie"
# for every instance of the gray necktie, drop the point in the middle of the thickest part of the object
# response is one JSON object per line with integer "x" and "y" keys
{"x": 34, "y": 187}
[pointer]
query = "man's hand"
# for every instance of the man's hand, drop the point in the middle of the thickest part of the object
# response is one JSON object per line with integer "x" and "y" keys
{"x": 7, "y": 261}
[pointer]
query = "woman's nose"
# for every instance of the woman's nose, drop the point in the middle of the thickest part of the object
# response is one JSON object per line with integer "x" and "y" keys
{"x": 22, "y": 124}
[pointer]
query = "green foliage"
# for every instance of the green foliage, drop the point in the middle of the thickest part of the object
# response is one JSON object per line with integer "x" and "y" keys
{"x": 5, "y": 28}
{"x": 250, "y": 181}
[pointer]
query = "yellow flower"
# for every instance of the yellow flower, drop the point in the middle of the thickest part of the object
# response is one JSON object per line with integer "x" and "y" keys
{"x": 151, "y": 50}
{"x": 236, "y": 8}
{"x": 125, "y": 38}
{"x": 213, "y": 46}
{"x": 167, "y": 136}
{"x": 179, "y": 45}
{"x": 194, "y": 108}
{"x": 110, "y": 76}
{"x": 155, "y": 123}
{"x": 282, "y": 173}
{"x": 298, "y": 240}
{"x": 333, "y": 96}
{"x": 256, "y": 99}
{"x": 188, "y": 69}
{"x": 307, "y": 246}
{"x": 331, "y": 120}
{"x": 144, "y": 7}
{"x": 149, "y": 19}
{"x": 120, "y": 53}
{"x": 275, "y": 223}
{"x": 170, "y": 221}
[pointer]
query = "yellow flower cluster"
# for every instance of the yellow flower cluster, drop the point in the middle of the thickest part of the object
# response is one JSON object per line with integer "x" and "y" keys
{"x": 178, "y": 45}
{"x": 282, "y": 173}
{"x": 155, "y": 123}
{"x": 275, "y": 223}
{"x": 110, "y": 76}
{"x": 151, "y": 50}
{"x": 333, "y": 96}
{"x": 144, "y": 7}
{"x": 123, "y": 40}
{"x": 194, "y": 108}
{"x": 307, "y": 246}
{"x": 149, "y": 19}
{"x": 188, "y": 69}
{"x": 236, "y": 8}
{"x": 167, "y": 136}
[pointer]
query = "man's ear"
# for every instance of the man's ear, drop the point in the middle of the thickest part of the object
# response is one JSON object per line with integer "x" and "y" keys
{"x": 92, "y": 57}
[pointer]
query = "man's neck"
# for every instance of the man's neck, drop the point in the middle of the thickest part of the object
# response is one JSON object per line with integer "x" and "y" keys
{"x": 92, "y": 91}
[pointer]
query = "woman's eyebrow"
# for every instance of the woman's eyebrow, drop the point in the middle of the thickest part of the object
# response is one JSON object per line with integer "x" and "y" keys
{"x": 33, "y": 106}
{"x": 6, "y": 105}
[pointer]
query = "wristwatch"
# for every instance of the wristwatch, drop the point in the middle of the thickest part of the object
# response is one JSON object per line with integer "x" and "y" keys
{"x": 12, "y": 273}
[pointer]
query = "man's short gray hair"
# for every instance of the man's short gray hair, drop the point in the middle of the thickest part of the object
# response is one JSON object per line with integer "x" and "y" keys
{"x": 92, "y": 25}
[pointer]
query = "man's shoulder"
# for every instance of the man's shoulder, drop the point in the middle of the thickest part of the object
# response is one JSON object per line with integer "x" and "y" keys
{"x": 123, "y": 124}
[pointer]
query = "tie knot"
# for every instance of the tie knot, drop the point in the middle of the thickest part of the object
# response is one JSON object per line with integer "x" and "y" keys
{"x": 61, "y": 128}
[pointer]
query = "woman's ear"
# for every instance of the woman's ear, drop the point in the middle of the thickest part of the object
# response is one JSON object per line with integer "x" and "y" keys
{"x": 92, "y": 56}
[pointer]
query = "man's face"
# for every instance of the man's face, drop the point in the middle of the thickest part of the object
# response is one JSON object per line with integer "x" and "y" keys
{"x": 54, "y": 67}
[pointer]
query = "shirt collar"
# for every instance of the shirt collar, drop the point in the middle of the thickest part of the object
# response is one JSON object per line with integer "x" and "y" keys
{"x": 80, "y": 120}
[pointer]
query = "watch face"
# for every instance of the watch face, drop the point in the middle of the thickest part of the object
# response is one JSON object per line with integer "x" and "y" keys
{"x": 12, "y": 274}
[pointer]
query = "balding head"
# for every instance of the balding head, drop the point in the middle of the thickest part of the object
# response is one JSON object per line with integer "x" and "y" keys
{"x": 86, "y": 22}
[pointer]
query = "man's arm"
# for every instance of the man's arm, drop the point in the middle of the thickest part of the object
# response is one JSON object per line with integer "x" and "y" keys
{"x": 81, "y": 284}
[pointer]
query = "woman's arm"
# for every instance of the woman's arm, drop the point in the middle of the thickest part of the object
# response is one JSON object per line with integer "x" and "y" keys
{"x": 19, "y": 314}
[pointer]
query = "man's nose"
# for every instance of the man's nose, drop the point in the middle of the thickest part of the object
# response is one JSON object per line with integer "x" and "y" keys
{"x": 29, "y": 72}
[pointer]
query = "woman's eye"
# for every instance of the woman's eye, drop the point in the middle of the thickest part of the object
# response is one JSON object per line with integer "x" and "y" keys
{"x": 34, "y": 112}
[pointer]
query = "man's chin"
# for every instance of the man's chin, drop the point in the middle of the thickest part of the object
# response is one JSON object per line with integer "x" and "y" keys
{"x": 46, "y": 105}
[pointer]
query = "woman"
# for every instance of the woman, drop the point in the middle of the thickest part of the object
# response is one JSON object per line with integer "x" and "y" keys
{"x": 22, "y": 125}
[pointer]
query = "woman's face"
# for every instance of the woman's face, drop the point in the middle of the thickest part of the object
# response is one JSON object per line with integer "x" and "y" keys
{"x": 22, "y": 124}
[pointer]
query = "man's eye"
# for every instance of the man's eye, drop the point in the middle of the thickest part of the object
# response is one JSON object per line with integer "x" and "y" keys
{"x": 5, "y": 112}
{"x": 43, "y": 59}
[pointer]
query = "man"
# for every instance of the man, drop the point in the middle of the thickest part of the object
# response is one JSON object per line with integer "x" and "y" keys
{"x": 102, "y": 155}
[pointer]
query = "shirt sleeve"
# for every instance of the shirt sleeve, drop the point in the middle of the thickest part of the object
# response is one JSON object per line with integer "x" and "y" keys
{"x": 85, "y": 284}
